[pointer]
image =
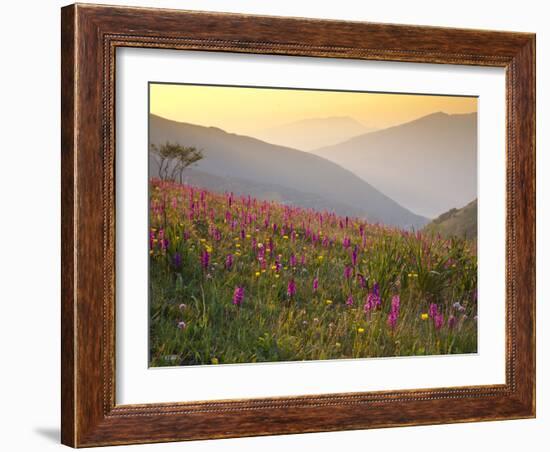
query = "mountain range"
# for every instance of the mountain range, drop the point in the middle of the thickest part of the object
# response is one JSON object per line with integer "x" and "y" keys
{"x": 250, "y": 166}
{"x": 309, "y": 134}
{"x": 428, "y": 165}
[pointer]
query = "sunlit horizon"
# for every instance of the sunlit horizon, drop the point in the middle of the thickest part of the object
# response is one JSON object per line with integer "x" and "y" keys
{"x": 254, "y": 110}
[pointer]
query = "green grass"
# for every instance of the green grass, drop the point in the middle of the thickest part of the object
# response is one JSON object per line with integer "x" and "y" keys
{"x": 270, "y": 324}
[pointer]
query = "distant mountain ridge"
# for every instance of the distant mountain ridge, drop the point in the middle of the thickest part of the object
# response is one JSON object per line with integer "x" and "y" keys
{"x": 260, "y": 166}
{"x": 428, "y": 165}
{"x": 313, "y": 133}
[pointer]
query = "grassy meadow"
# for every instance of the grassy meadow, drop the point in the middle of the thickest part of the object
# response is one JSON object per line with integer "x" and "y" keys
{"x": 235, "y": 279}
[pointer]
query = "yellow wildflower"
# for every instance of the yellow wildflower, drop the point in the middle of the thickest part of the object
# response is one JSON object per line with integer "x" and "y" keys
{"x": 247, "y": 236}
{"x": 202, "y": 240}
{"x": 237, "y": 253}
{"x": 273, "y": 267}
{"x": 214, "y": 360}
{"x": 277, "y": 275}
{"x": 285, "y": 237}
{"x": 424, "y": 316}
{"x": 360, "y": 330}
{"x": 320, "y": 257}
{"x": 329, "y": 302}
{"x": 238, "y": 245}
{"x": 257, "y": 273}
{"x": 338, "y": 345}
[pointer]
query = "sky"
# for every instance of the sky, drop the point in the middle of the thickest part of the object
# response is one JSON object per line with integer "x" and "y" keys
{"x": 247, "y": 111}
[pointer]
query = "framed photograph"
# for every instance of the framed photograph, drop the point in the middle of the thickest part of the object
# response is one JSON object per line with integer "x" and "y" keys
{"x": 282, "y": 225}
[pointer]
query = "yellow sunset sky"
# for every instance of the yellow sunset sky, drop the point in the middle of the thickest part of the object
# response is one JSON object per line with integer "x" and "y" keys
{"x": 249, "y": 110}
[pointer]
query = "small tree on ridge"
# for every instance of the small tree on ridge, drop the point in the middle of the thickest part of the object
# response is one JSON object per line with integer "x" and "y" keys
{"x": 173, "y": 159}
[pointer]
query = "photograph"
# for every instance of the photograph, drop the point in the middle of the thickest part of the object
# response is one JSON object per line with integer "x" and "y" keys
{"x": 294, "y": 224}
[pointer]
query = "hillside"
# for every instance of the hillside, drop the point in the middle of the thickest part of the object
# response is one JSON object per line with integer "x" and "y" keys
{"x": 258, "y": 164}
{"x": 313, "y": 133}
{"x": 226, "y": 286}
{"x": 456, "y": 222}
{"x": 428, "y": 165}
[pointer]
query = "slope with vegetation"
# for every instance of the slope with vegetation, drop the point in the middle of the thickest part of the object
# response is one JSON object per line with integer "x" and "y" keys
{"x": 456, "y": 223}
{"x": 231, "y": 156}
{"x": 235, "y": 279}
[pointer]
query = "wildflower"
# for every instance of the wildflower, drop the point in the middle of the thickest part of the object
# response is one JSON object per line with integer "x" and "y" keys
{"x": 394, "y": 312}
{"x": 373, "y": 298}
{"x": 205, "y": 259}
{"x": 315, "y": 320}
{"x": 257, "y": 273}
{"x": 229, "y": 261}
{"x": 395, "y": 303}
{"x": 362, "y": 281}
{"x": 182, "y": 325}
{"x": 238, "y": 296}
{"x": 292, "y": 260}
{"x": 433, "y": 310}
{"x": 214, "y": 360}
{"x": 338, "y": 345}
{"x": 439, "y": 320}
{"x": 176, "y": 260}
{"x": 315, "y": 284}
{"x": 349, "y": 301}
{"x": 182, "y": 306}
{"x": 451, "y": 323}
{"x": 360, "y": 330}
{"x": 457, "y": 306}
{"x": 277, "y": 275}
{"x": 328, "y": 302}
{"x": 347, "y": 272}
{"x": 424, "y": 316}
{"x": 291, "y": 288}
{"x": 320, "y": 257}
{"x": 354, "y": 256}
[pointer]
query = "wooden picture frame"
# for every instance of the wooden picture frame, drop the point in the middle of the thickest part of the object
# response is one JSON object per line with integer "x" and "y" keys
{"x": 90, "y": 36}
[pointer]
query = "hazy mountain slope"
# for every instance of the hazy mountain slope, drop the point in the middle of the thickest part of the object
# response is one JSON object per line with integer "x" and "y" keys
{"x": 428, "y": 165}
{"x": 456, "y": 222}
{"x": 229, "y": 155}
{"x": 313, "y": 133}
{"x": 263, "y": 191}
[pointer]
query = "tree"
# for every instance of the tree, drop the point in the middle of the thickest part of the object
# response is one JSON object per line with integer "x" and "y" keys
{"x": 173, "y": 159}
